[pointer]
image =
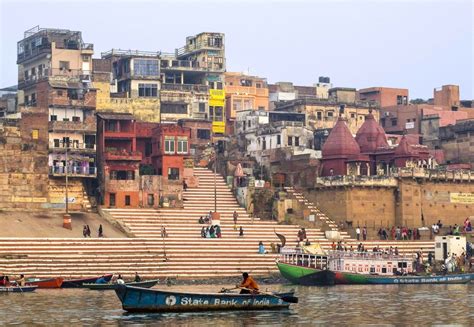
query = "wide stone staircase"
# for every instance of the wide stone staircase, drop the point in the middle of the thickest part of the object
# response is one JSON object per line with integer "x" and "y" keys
{"x": 182, "y": 254}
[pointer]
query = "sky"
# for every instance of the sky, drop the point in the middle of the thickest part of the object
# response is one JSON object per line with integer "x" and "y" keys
{"x": 417, "y": 45}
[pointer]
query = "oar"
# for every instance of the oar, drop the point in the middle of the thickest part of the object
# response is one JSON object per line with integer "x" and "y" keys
{"x": 223, "y": 290}
{"x": 286, "y": 298}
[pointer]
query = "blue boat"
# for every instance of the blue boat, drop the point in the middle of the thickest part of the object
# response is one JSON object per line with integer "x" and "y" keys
{"x": 18, "y": 289}
{"x": 136, "y": 299}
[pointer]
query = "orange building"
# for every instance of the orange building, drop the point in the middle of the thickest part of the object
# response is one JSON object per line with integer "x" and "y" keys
{"x": 244, "y": 92}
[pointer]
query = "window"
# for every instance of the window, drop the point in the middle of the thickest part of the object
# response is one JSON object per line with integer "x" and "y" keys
{"x": 202, "y": 107}
{"x": 145, "y": 67}
{"x": 173, "y": 174}
{"x": 127, "y": 200}
{"x": 290, "y": 140}
{"x": 219, "y": 85}
{"x": 399, "y": 99}
{"x": 35, "y": 134}
{"x": 111, "y": 126}
{"x": 297, "y": 141}
{"x": 169, "y": 145}
{"x": 174, "y": 108}
{"x": 264, "y": 143}
{"x": 258, "y": 85}
{"x": 261, "y": 108}
{"x": 330, "y": 114}
{"x": 204, "y": 134}
{"x": 182, "y": 145}
{"x": 384, "y": 270}
{"x": 112, "y": 199}
{"x": 319, "y": 115}
{"x": 64, "y": 65}
{"x": 382, "y": 122}
{"x": 353, "y": 115}
{"x": 151, "y": 199}
{"x": 33, "y": 71}
{"x": 394, "y": 121}
{"x": 53, "y": 118}
{"x": 217, "y": 113}
{"x": 65, "y": 119}
{"x": 130, "y": 175}
{"x": 76, "y": 119}
{"x": 148, "y": 149}
{"x": 278, "y": 139}
{"x": 147, "y": 90}
{"x": 40, "y": 70}
{"x": 247, "y": 104}
{"x": 59, "y": 93}
{"x": 85, "y": 58}
{"x": 122, "y": 175}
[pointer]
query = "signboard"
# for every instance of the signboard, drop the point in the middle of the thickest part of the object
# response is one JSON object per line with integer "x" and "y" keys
{"x": 63, "y": 200}
{"x": 466, "y": 198}
{"x": 410, "y": 125}
{"x": 216, "y": 102}
{"x": 218, "y": 127}
{"x": 217, "y": 94}
{"x": 259, "y": 183}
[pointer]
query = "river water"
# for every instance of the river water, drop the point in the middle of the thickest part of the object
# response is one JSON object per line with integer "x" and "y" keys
{"x": 376, "y": 305}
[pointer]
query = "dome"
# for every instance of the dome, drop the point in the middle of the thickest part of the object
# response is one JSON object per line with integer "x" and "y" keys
{"x": 404, "y": 148}
{"x": 371, "y": 135}
{"x": 340, "y": 142}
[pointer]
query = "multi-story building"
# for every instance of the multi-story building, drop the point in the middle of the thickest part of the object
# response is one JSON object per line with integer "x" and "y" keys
{"x": 244, "y": 92}
{"x": 383, "y": 96}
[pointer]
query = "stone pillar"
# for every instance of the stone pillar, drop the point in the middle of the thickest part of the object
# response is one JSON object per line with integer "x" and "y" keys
{"x": 368, "y": 168}
{"x": 358, "y": 168}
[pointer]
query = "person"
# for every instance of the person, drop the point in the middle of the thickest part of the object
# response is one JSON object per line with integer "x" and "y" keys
{"x": 203, "y": 232}
{"x": 185, "y": 186}
{"x": 396, "y": 250}
{"x": 201, "y": 220}
{"x": 4, "y": 281}
{"x": 241, "y": 232}
{"x": 102, "y": 280}
{"x": 358, "y": 233}
{"x": 163, "y": 231}
{"x": 208, "y": 233}
{"x": 88, "y": 231}
{"x": 248, "y": 285}
{"x": 439, "y": 224}
{"x": 84, "y": 231}
{"x": 273, "y": 247}
{"x": 218, "y": 231}
{"x": 261, "y": 248}
{"x": 303, "y": 233}
{"x": 307, "y": 243}
{"x": 137, "y": 278}
{"x": 101, "y": 231}
{"x": 364, "y": 233}
{"x": 456, "y": 229}
{"x": 120, "y": 280}
{"x": 21, "y": 281}
{"x": 235, "y": 217}
{"x": 212, "y": 232}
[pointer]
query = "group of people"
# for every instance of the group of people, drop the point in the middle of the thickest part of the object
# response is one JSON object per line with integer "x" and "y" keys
{"x": 5, "y": 281}
{"x": 212, "y": 231}
{"x": 86, "y": 231}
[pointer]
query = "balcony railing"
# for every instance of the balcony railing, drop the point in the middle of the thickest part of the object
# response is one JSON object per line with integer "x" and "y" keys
{"x": 73, "y": 171}
{"x": 73, "y": 146}
{"x": 185, "y": 87}
{"x": 251, "y": 90}
{"x": 123, "y": 155}
{"x": 197, "y": 46}
{"x": 72, "y": 126}
{"x": 79, "y": 74}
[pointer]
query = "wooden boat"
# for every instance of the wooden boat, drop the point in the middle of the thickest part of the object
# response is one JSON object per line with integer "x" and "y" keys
{"x": 18, "y": 289}
{"x": 109, "y": 286}
{"x": 46, "y": 283}
{"x": 352, "y": 268}
{"x": 78, "y": 283}
{"x": 136, "y": 299}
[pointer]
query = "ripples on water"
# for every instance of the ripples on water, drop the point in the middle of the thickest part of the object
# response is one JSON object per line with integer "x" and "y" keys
{"x": 376, "y": 305}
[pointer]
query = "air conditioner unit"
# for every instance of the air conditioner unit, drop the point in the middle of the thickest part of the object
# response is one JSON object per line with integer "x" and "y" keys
{"x": 387, "y": 114}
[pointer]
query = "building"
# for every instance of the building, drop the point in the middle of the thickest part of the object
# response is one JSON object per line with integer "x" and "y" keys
{"x": 383, "y": 96}
{"x": 245, "y": 92}
{"x": 342, "y": 95}
{"x": 447, "y": 95}
{"x": 201, "y": 133}
{"x": 322, "y": 114}
{"x": 369, "y": 153}
{"x": 457, "y": 142}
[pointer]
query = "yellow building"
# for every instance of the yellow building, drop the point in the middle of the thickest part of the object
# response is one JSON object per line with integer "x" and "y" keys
{"x": 245, "y": 92}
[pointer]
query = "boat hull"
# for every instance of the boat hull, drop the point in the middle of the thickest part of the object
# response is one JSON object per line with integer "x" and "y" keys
{"x": 18, "y": 289}
{"x": 136, "y": 299}
{"x": 46, "y": 283}
{"x": 79, "y": 283}
{"x": 305, "y": 275}
{"x": 106, "y": 287}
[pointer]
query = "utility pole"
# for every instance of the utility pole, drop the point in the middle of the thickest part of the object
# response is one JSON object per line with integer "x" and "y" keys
{"x": 215, "y": 179}
{"x": 67, "y": 218}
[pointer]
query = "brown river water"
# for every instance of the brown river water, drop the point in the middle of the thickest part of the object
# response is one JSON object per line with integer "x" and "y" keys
{"x": 351, "y": 305}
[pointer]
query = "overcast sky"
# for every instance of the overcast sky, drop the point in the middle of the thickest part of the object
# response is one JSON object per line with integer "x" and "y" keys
{"x": 417, "y": 45}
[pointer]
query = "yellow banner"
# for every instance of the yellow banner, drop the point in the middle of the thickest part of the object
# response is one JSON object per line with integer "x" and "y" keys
{"x": 218, "y": 127}
{"x": 467, "y": 198}
{"x": 216, "y": 103}
{"x": 217, "y": 94}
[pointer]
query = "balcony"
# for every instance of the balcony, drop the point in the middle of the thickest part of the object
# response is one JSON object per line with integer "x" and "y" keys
{"x": 30, "y": 53}
{"x": 185, "y": 88}
{"x": 247, "y": 90}
{"x": 63, "y": 75}
{"x": 73, "y": 171}
{"x": 123, "y": 155}
{"x": 189, "y": 48}
{"x": 71, "y": 126}
{"x": 60, "y": 146}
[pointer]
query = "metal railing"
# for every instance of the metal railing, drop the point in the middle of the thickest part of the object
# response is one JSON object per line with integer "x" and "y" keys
{"x": 185, "y": 87}
{"x": 73, "y": 171}
{"x": 120, "y": 52}
{"x": 197, "y": 46}
{"x": 71, "y": 146}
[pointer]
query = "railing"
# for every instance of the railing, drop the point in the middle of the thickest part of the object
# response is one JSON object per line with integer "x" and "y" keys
{"x": 306, "y": 260}
{"x": 246, "y": 89}
{"x": 122, "y": 155}
{"x": 378, "y": 255}
{"x": 46, "y": 48}
{"x": 61, "y": 145}
{"x": 55, "y": 72}
{"x": 87, "y": 46}
{"x": 120, "y": 52}
{"x": 185, "y": 87}
{"x": 197, "y": 46}
{"x": 73, "y": 171}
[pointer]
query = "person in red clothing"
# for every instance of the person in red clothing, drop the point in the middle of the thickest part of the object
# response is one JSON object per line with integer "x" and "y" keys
{"x": 248, "y": 285}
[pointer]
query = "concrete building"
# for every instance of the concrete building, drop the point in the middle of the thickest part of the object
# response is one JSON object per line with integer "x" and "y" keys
{"x": 447, "y": 95}
{"x": 457, "y": 142}
{"x": 245, "y": 92}
{"x": 342, "y": 95}
{"x": 383, "y": 96}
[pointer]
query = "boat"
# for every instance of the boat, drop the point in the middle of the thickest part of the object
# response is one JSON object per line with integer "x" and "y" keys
{"x": 18, "y": 289}
{"x": 137, "y": 299}
{"x": 79, "y": 283}
{"x": 46, "y": 282}
{"x": 110, "y": 286}
{"x": 339, "y": 267}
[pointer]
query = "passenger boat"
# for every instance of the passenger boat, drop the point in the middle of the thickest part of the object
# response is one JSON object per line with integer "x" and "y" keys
{"x": 136, "y": 299}
{"x": 46, "y": 282}
{"x": 109, "y": 286}
{"x": 79, "y": 283}
{"x": 339, "y": 267}
{"x": 18, "y": 289}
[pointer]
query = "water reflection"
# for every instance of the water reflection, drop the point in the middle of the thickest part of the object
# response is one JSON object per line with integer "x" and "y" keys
{"x": 389, "y": 305}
